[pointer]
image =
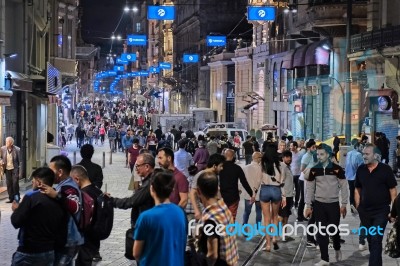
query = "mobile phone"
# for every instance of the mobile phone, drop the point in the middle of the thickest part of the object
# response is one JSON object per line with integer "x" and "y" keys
{"x": 17, "y": 198}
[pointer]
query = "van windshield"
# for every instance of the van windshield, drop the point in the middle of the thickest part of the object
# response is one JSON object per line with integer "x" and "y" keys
{"x": 219, "y": 133}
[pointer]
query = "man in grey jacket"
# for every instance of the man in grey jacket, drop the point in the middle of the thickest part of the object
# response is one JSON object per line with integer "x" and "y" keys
{"x": 325, "y": 181}
{"x": 10, "y": 160}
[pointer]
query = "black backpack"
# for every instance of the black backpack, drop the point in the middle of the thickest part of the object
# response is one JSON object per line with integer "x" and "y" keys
{"x": 168, "y": 141}
{"x": 104, "y": 217}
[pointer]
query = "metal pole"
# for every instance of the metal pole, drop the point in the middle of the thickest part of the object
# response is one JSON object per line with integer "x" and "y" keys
{"x": 111, "y": 156}
{"x": 348, "y": 72}
{"x": 74, "y": 157}
{"x": 104, "y": 160}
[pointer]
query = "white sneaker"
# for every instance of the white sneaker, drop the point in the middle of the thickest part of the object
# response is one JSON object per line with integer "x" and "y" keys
{"x": 322, "y": 263}
{"x": 362, "y": 247}
{"x": 338, "y": 255}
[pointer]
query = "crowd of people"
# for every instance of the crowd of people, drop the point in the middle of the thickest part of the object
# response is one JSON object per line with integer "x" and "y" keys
{"x": 183, "y": 177}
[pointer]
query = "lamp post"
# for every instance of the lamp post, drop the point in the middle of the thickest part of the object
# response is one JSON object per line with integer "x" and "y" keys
{"x": 348, "y": 72}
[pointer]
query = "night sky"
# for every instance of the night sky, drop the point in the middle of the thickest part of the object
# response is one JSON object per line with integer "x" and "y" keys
{"x": 100, "y": 17}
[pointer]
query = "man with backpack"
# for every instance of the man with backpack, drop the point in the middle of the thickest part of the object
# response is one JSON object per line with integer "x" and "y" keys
{"x": 169, "y": 140}
{"x": 89, "y": 251}
{"x": 112, "y": 135}
{"x": 68, "y": 194}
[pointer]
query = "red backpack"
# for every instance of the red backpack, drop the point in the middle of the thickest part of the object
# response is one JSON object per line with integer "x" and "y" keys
{"x": 86, "y": 212}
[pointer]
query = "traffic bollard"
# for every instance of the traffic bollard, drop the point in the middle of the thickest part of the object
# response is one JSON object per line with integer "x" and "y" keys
{"x": 74, "y": 157}
{"x": 111, "y": 157}
{"x": 104, "y": 160}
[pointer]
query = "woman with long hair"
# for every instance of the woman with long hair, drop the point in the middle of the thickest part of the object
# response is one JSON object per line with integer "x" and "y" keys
{"x": 272, "y": 194}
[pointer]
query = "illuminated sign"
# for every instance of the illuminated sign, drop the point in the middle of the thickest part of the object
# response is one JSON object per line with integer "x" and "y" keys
{"x": 118, "y": 68}
{"x": 154, "y": 70}
{"x": 161, "y": 12}
{"x": 216, "y": 40}
{"x": 164, "y": 65}
{"x": 266, "y": 13}
{"x": 128, "y": 57}
{"x": 140, "y": 40}
{"x": 190, "y": 58}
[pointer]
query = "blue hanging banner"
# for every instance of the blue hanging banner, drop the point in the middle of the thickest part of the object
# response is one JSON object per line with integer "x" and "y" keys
{"x": 216, "y": 41}
{"x": 120, "y": 61}
{"x": 190, "y": 58}
{"x": 118, "y": 68}
{"x": 128, "y": 57}
{"x": 164, "y": 65}
{"x": 143, "y": 73}
{"x": 160, "y": 12}
{"x": 154, "y": 69}
{"x": 139, "y": 40}
{"x": 266, "y": 13}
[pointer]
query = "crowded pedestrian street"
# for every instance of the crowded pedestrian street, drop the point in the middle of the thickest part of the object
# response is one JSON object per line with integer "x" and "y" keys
{"x": 294, "y": 251}
{"x": 199, "y": 132}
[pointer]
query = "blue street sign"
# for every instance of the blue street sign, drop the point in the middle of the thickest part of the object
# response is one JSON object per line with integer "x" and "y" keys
{"x": 154, "y": 69}
{"x": 118, "y": 68}
{"x": 216, "y": 40}
{"x": 122, "y": 61}
{"x": 164, "y": 65}
{"x": 128, "y": 57}
{"x": 133, "y": 74}
{"x": 161, "y": 12}
{"x": 143, "y": 73}
{"x": 261, "y": 13}
{"x": 190, "y": 58}
{"x": 140, "y": 40}
{"x": 111, "y": 73}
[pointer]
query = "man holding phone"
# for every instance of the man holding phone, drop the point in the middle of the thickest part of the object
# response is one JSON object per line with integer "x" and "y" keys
{"x": 325, "y": 181}
{"x": 40, "y": 233}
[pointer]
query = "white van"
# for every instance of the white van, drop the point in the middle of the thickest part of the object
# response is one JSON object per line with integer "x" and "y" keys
{"x": 218, "y": 132}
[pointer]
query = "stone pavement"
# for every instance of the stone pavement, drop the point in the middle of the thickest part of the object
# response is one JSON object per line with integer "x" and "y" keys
{"x": 116, "y": 178}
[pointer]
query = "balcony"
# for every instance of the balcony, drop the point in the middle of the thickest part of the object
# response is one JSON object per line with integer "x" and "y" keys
{"x": 386, "y": 37}
{"x": 329, "y": 17}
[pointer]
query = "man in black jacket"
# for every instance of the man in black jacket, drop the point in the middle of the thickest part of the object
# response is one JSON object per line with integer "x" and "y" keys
{"x": 94, "y": 170}
{"x": 89, "y": 251}
{"x": 40, "y": 233}
{"x": 228, "y": 181}
{"x": 141, "y": 200}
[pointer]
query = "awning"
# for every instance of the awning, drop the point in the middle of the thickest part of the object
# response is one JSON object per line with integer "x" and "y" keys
{"x": 379, "y": 93}
{"x": 299, "y": 56}
{"x": 288, "y": 60}
{"x": 19, "y": 81}
{"x": 316, "y": 55}
{"x": 248, "y": 106}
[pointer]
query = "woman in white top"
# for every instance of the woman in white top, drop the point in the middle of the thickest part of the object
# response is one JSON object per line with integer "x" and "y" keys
{"x": 272, "y": 193}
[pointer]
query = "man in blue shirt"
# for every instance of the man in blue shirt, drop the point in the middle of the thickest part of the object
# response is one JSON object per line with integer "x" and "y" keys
{"x": 127, "y": 142}
{"x": 353, "y": 160}
{"x": 161, "y": 241}
{"x": 183, "y": 159}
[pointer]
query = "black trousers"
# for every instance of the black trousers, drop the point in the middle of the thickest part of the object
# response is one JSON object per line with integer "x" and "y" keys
{"x": 297, "y": 189}
{"x": 12, "y": 181}
{"x": 301, "y": 200}
{"x": 87, "y": 251}
{"x": 351, "y": 191}
{"x": 326, "y": 214}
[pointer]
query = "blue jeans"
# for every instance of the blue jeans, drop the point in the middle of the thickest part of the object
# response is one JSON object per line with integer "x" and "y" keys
{"x": 375, "y": 242}
{"x": 35, "y": 259}
{"x": 65, "y": 256}
{"x": 247, "y": 211}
